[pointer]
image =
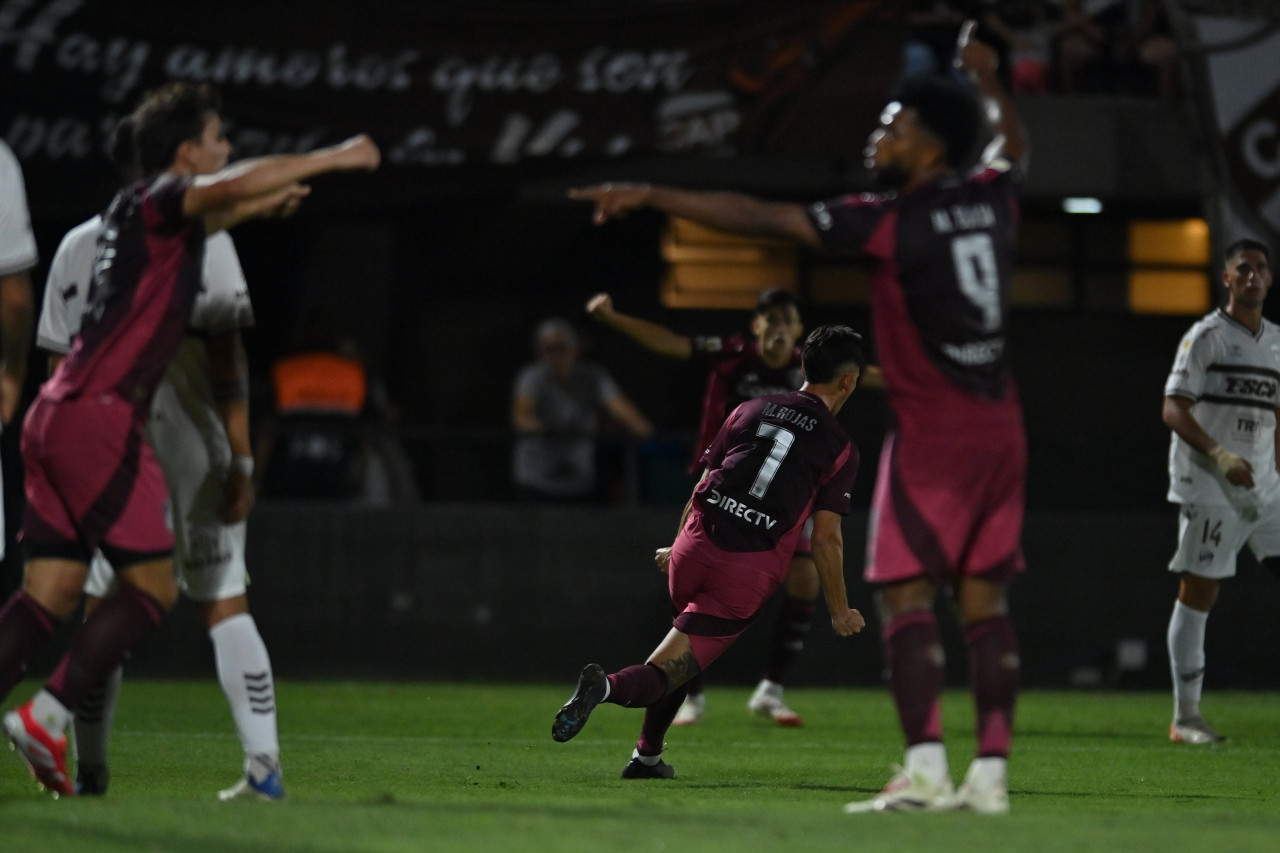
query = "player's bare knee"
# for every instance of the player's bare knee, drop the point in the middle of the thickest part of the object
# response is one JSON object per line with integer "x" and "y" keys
{"x": 213, "y": 612}
{"x": 1197, "y": 593}
{"x": 896, "y": 599}
{"x": 154, "y": 579}
{"x": 679, "y": 671}
{"x": 56, "y": 588}
{"x": 166, "y": 596}
{"x": 980, "y": 600}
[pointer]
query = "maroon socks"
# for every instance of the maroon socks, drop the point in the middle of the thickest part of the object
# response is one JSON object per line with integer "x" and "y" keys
{"x": 913, "y": 653}
{"x": 25, "y": 626}
{"x": 993, "y": 669}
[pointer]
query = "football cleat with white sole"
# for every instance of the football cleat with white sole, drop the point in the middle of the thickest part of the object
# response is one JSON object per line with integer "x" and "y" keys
{"x": 1193, "y": 730}
{"x": 44, "y": 754}
{"x": 767, "y": 702}
{"x": 691, "y": 709}
{"x": 907, "y": 793}
{"x": 269, "y": 788}
{"x": 985, "y": 789}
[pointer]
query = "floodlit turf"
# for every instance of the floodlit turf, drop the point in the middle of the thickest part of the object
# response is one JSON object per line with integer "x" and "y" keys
{"x": 400, "y": 767}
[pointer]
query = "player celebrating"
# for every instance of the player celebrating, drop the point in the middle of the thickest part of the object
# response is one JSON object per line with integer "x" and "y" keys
{"x": 1220, "y": 402}
{"x": 92, "y": 479}
{"x": 199, "y": 429}
{"x": 741, "y": 369}
{"x": 775, "y": 461}
{"x": 948, "y": 503}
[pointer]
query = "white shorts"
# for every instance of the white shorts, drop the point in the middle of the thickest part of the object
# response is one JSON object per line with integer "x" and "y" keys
{"x": 208, "y": 555}
{"x": 1210, "y": 537}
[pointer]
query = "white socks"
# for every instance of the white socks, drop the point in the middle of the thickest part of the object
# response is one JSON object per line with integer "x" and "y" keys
{"x": 928, "y": 761}
{"x": 49, "y": 712}
{"x": 244, "y": 669}
{"x": 648, "y": 760}
{"x": 1186, "y": 659}
{"x": 988, "y": 772}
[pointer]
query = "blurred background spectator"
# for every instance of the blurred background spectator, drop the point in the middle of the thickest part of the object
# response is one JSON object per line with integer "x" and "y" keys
{"x": 555, "y": 410}
{"x": 1069, "y": 47}
{"x": 1115, "y": 47}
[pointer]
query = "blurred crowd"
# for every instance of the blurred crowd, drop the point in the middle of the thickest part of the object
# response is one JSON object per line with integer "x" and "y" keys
{"x": 1064, "y": 47}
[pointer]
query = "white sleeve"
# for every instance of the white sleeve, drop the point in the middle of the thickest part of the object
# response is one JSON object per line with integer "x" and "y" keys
{"x": 1195, "y": 353}
{"x": 223, "y": 303}
{"x": 17, "y": 242}
{"x": 66, "y": 291}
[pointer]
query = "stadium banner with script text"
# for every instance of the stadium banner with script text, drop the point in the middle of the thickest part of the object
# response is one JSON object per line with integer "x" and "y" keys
{"x": 463, "y": 97}
{"x": 1230, "y": 52}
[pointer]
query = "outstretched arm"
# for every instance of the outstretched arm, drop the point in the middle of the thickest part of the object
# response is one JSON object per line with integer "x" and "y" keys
{"x": 660, "y": 339}
{"x": 629, "y": 415}
{"x": 735, "y": 212}
{"x": 281, "y": 203}
{"x": 251, "y": 179}
{"x": 979, "y": 61}
{"x": 828, "y": 554}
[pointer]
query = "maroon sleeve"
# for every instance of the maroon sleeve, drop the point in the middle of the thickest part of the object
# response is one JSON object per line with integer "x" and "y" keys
{"x": 836, "y": 493}
{"x": 710, "y": 350}
{"x": 714, "y": 454}
{"x": 846, "y": 224}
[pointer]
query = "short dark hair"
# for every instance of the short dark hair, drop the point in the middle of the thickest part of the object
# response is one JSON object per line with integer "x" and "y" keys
{"x": 829, "y": 348}
{"x": 776, "y": 297}
{"x": 122, "y": 152}
{"x": 948, "y": 111}
{"x": 1243, "y": 245}
{"x": 169, "y": 116}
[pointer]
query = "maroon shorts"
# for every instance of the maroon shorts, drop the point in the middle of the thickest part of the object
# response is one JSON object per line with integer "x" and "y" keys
{"x": 716, "y": 594}
{"x": 92, "y": 481}
{"x": 943, "y": 510}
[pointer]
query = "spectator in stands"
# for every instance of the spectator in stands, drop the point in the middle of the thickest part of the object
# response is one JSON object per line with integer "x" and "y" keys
{"x": 555, "y": 410}
{"x": 1155, "y": 47}
{"x": 932, "y": 26}
{"x": 1115, "y": 46}
{"x": 1025, "y": 31}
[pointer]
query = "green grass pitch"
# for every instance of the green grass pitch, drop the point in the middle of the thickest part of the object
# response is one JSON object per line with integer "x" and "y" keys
{"x": 432, "y": 767}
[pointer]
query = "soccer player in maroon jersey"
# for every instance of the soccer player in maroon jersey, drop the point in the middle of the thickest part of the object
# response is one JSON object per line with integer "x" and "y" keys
{"x": 742, "y": 368}
{"x": 949, "y": 497}
{"x": 776, "y": 461}
{"x": 92, "y": 479}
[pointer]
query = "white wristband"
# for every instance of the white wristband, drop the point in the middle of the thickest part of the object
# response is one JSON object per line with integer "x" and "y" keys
{"x": 242, "y": 465}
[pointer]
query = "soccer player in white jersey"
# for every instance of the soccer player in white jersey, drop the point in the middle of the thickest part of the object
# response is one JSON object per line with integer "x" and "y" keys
{"x": 17, "y": 256}
{"x": 199, "y": 428}
{"x": 1220, "y": 401}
